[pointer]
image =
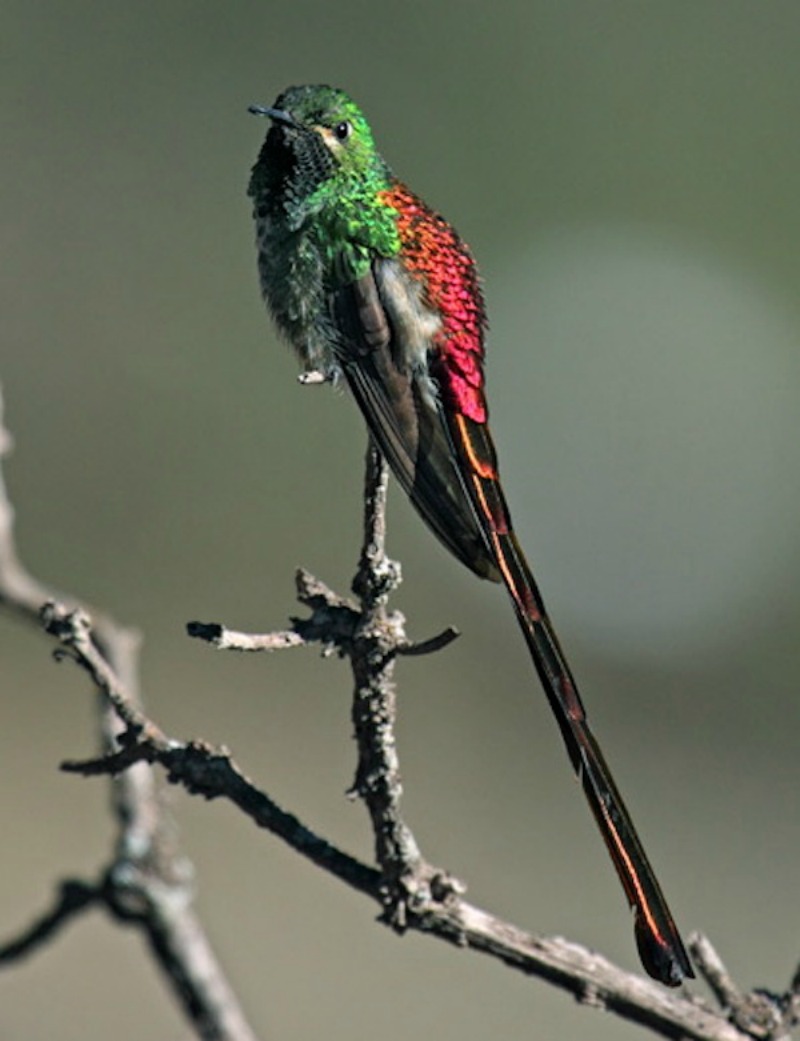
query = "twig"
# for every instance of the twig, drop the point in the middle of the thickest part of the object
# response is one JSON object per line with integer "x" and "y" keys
{"x": 791, "y": 1007}
{"x": 591, "y": 978}
{"x": 714, "y": 972}
{"x": 760, "y": 1014}
{"x": 148, "y": 882}
{"x": 228, "y": 640}
{"x": 74, "y": 897}
{"x": 19, "y": 591}
{"x": 409, "y": 883}
{"x": 412, "y": 893}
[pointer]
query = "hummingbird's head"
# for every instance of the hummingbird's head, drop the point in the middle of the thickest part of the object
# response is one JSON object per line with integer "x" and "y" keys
{"x": 318, "y": 135}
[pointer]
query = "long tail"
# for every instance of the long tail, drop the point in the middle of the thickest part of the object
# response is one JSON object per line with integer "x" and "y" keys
{"x": 660, "y": 946}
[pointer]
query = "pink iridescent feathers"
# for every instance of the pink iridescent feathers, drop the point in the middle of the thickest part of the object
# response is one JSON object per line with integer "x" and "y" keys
{"x": 434, "y": 254}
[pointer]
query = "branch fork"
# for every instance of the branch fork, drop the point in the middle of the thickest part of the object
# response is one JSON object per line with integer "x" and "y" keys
{"x": 148, "y": 883}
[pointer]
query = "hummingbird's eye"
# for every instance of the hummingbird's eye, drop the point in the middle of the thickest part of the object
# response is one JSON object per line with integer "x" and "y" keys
{"x": 342, "y": 130}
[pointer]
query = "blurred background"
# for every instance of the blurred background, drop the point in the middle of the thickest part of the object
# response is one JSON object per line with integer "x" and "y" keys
{"x": 627, "y": 176}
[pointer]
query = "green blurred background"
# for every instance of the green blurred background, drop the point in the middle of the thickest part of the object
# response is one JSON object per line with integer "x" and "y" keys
{"x": 627, "y": 175}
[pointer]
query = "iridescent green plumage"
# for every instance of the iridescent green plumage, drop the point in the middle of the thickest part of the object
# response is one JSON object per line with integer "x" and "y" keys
{"x": 326, "y": 193}
{"x": 369, "y": 284}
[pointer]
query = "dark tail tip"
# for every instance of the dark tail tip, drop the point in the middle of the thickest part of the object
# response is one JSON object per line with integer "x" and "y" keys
{"x": 665, "y": 960}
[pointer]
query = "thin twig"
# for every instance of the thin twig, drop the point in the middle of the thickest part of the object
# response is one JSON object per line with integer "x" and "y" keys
{"x": 436, "y": 643}
{"x": 19, "y": 591}
{"x": 791, "y": 1006}
{"x": 409, "y": 883}
{"x": 759, "y": 1013}
{"x": 148, "y": 881}
{"x": 412, "y": 893}
{"x": 74, "y": 896}
{"x": 229, "y": 640}
{"x": 443, "y": 913}
{"x": 714, "y": 972}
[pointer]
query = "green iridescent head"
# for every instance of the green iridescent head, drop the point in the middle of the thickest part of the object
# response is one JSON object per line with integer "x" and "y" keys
{"x": 319, "y": 170}
{"x": 318, "y": 135}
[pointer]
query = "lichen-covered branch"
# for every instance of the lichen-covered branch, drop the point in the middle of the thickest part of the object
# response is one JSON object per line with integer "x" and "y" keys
{"x": 436, "y": 909}
{"x": 413, "y": 893}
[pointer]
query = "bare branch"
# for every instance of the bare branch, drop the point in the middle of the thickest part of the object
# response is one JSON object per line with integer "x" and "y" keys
{"x": 334, "y": 622}
{"x": 19, "y": 591}
{"x": 435, "y": 643}
{"x": 411, "y": 893}
{"x": 229, "y": 640}
{"x": 791, "y": 1007}
{"x": 759, "y": 1014}
{"x": 714, "y": 971}
{"x": 435, "y": 906}
{"x": 74, "y": 897}
{"x": 148, "y": 882}
{"x": 408, "y": 880}
{"x": 437, "y": 910}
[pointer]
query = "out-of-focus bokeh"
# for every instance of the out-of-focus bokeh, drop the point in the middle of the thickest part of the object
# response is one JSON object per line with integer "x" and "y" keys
{"x": 627, "y": 175}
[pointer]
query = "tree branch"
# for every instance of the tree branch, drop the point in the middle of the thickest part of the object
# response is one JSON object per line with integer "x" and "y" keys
{"x": 436, "y": 910}
{"x": 148, "y": 881}
{"x": 412, "y": 893}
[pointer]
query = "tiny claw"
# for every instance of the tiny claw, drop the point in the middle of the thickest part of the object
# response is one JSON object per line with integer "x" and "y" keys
{"x": 313, "y": 377}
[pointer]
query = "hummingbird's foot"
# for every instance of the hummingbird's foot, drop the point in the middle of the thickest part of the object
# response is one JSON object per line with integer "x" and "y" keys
{"x": 313, "y": 377}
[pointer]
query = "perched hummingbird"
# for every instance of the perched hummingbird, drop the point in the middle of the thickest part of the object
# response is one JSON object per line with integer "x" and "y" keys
{"x": 371, "y": 286}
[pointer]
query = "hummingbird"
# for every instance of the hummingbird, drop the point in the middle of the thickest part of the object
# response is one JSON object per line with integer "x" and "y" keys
{"x": 374, "y": 289}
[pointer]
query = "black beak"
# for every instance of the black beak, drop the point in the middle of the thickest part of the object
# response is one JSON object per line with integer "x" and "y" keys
{"x": 277, "y": 115}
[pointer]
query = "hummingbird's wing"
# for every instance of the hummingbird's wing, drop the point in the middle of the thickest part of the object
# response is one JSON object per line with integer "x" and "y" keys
{"x": 446, "y": 462}
{"x": 405, "y": 418}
